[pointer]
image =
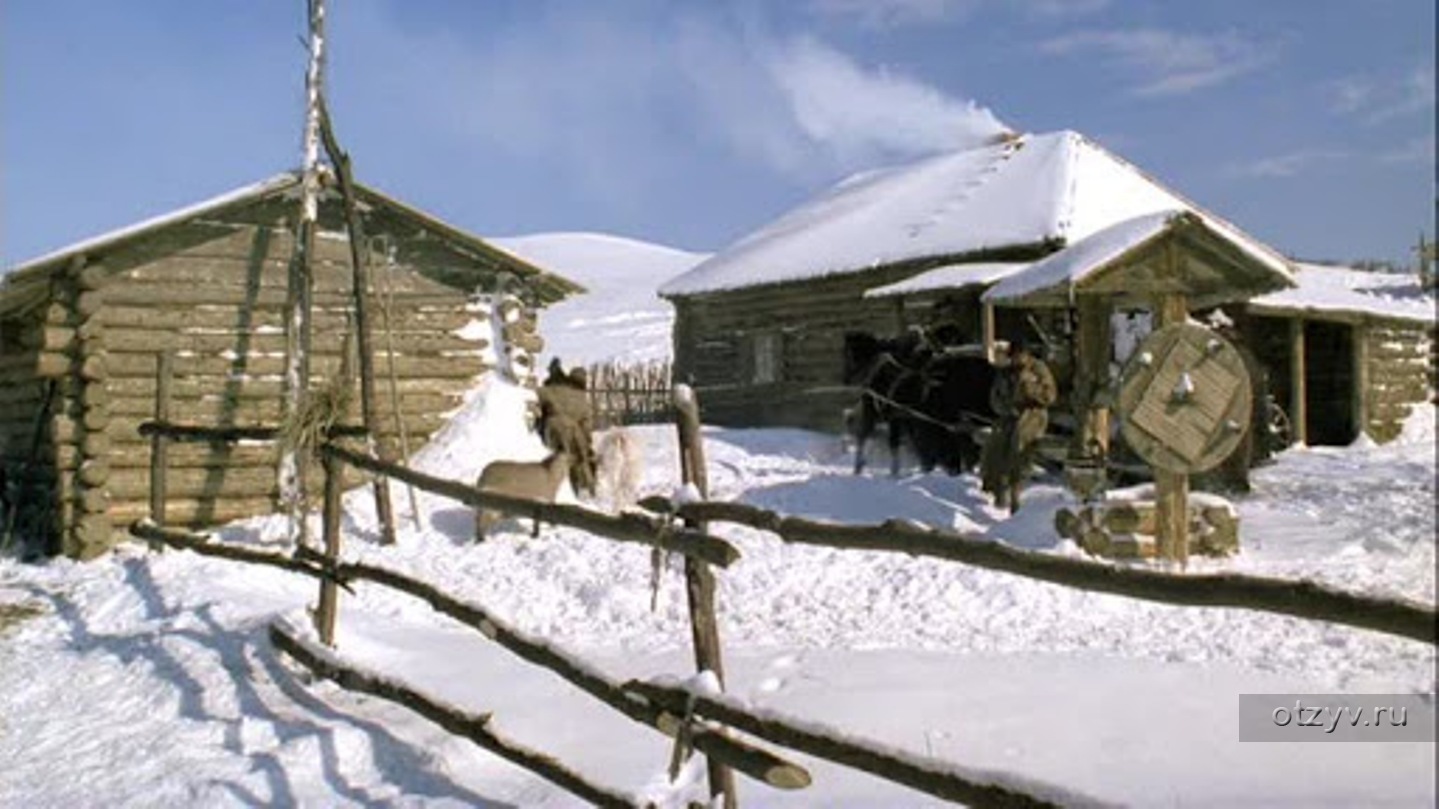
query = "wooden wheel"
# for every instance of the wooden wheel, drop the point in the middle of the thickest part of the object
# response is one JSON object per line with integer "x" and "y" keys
{"x": 1184, "y": 399}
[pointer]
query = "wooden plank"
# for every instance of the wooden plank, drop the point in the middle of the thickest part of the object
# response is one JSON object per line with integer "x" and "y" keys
{"x": 220, "y": 409}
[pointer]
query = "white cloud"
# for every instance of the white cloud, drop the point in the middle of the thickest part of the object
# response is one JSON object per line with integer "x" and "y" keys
{"x": 1375, "y": 101}
{"x": 1416, "y": 151}
{"x": 1285, "y": 165}
{"x": 1169, "y": 63}
{"x": 894, "y": 13}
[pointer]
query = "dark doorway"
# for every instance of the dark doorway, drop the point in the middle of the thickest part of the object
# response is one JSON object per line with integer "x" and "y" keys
{"x": 1329, "y": 383}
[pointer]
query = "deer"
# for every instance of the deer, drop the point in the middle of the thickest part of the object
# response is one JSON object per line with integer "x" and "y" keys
{"x": 532, "y": 480}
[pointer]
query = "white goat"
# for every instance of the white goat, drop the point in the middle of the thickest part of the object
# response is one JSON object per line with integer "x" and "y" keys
{"x": 535, "y": 480}
{"x": 621, "y": 469}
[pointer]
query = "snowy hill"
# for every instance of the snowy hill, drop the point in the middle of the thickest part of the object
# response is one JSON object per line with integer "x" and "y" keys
{"x": 620, "y": 318}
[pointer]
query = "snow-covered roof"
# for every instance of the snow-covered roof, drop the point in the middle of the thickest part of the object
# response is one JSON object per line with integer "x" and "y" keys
{"x": 555, "y": 286}
{"x": 1063, "y": 270}
{"x": 1034, "y": 189}
{"x": 279, "y": 182}
{"x": 1324, "y": 289}
{"x": 953, "y": 276}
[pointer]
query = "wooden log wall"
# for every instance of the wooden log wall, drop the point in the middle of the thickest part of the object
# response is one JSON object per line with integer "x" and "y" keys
{"x": 715, "y": 335}
{"x": 1399, "y": 375}
{"x": 219, "y": 306}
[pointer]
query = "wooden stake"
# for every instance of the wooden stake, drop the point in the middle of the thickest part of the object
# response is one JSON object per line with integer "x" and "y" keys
{"x": 360, "y": 280}
{"x": 293, "y": 465}
{"x": 699, "y": 579}
{"x": 160, "y": 443}
{"x": 329, "y": 593}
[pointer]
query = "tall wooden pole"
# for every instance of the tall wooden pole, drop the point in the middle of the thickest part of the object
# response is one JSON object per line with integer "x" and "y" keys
{"x": 1171, "y": 489}
{"x": 699, "y": 579}
{"x": 360, "y": 281}
{"x": 1298, "y": 394}
{"x": 294, "y": 465}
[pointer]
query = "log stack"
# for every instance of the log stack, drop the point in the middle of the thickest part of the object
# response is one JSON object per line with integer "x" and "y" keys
{"x": 1126, "y": 529}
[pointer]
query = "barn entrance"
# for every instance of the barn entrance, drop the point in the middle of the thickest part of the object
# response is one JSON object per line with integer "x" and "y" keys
{"x": 1329, "y": 383}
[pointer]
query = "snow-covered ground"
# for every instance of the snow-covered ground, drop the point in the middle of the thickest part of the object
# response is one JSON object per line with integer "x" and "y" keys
{"x": 147, "y": 679}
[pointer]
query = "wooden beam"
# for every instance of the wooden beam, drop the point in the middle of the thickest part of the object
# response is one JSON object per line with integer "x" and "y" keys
{"x": 474, "y": 727}
{"x": 1172, "y": 488}
{"x": 1359, "y": 401}
{"x": 1298, "y": 394}
{"x": 627, "y": 527}
{"x": 1301, "y": 598}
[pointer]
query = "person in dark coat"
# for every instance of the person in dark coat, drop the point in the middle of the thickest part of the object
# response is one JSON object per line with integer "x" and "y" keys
{"x": 566, "y": 422}
{"x": 1021, "y": 397}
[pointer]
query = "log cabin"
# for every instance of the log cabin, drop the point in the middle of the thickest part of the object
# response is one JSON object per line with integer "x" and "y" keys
{"x": 82, "y": 330}
{"x": 759, "y": 326}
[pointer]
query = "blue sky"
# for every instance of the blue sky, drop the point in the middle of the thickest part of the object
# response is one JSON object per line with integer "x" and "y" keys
{"x": 1310, "y": 123}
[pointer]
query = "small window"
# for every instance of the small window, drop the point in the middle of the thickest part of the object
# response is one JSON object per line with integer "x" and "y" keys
{"x": 767, "y": 358}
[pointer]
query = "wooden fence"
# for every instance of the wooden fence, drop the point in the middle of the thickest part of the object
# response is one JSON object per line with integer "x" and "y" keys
{"x": 630, "y": 393}
{"x": 698, "y": 720}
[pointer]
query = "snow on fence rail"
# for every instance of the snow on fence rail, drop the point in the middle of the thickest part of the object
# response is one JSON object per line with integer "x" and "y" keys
{"x": 1299, "y": 598}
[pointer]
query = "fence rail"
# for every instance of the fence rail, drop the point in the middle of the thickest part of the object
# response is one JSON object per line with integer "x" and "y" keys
{"x": 1301, "y": 599}
{"x": 700, "y": 720}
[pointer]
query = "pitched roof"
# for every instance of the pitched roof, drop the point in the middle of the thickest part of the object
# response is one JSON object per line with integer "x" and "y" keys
{"x": 286, "y": 183}
{"x": 1029, "y": 191}
{"x": 1074, "y": 267}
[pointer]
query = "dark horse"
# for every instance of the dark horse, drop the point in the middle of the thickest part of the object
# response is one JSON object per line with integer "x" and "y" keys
{"x": 933, "y": 397}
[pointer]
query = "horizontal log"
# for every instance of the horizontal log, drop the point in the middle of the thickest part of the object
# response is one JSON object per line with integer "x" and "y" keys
{"x": 195, "y": 387}
{"x": 197, "y": 483}
{"x": 628, "y": 527}
{"x": 134, "y": 293}
{"x": 238, "y": 345}
{"x": 1302, "y": 598}
{"x": 194, "y": 432}
{"x": 976, "y": 788}
{"x": 406, "y": 367}
{"x": 90, "y": 536}
{"x": 331, "y": 276}
{"x": 192, "y": 512}
{"x": 754, "y": 762}
{"x": 135, "y": 454}
{"x": 474, "y": 727}
{"x": 214, "y": 409}
{"x": 35, "y": 364}
{"x": 238, "y": 317}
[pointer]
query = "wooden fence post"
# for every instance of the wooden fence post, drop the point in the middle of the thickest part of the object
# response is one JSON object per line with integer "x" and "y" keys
{"x": 329, "y": 592}
{"x": 1172, "y": 488}
{"x": 699, "y": 579}
{"x": 159, "y": 442}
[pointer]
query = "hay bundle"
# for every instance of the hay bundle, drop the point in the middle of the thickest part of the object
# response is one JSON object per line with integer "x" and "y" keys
{"x": 319, "y": 410}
